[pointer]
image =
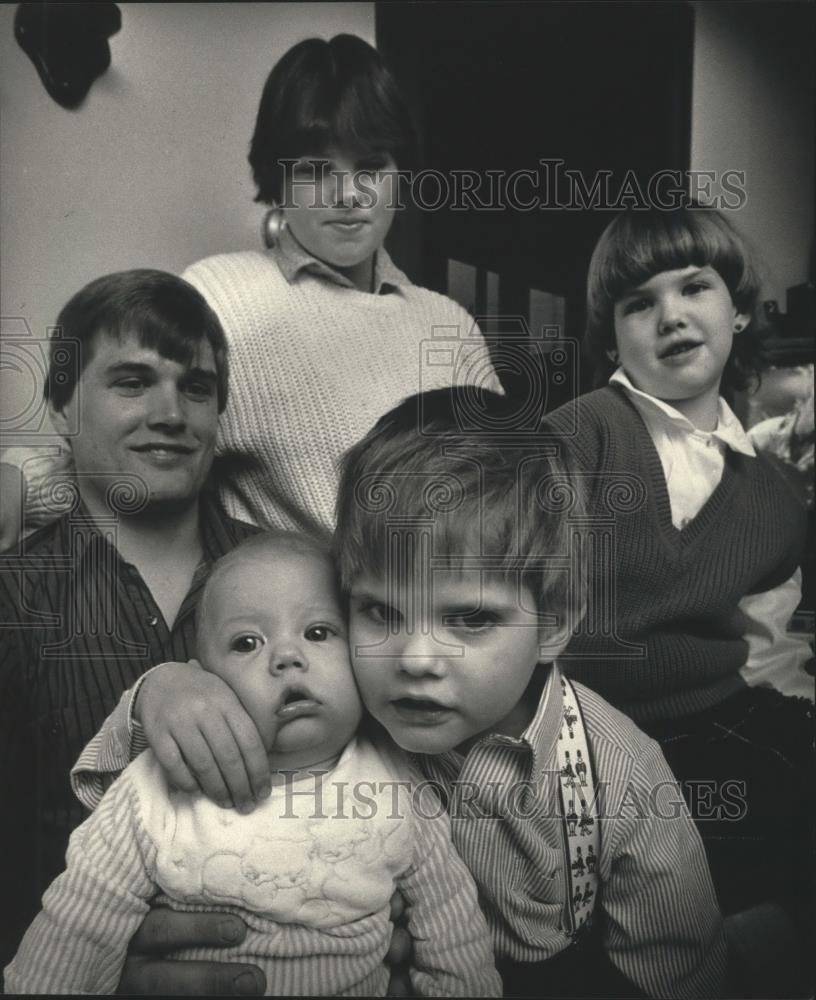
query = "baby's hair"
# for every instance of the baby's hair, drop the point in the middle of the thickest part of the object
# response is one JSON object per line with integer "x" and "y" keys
{"x": 637, "y": 245}
{"x": 328, "y": 93}
{"x": 425, "y": 462}
{"x": 268, "y": 543}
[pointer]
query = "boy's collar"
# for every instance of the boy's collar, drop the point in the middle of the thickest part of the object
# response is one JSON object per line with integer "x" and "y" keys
{"x": 545, "y": 726}
{"x": 728, "y": 430}
{"x": 293, "y": 259}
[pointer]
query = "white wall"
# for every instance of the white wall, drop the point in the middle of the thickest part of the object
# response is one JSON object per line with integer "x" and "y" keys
{"x": 753, "y": 110}
{"x": 151, "y": 170}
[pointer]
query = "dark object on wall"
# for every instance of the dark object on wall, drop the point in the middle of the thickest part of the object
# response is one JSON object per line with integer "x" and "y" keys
{"x": 68, "y": 44}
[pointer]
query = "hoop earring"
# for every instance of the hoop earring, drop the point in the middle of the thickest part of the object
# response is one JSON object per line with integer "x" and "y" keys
{"x": 272, "y": 226}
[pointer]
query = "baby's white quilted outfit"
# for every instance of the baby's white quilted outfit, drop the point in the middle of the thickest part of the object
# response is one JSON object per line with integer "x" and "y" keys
{"x": 311, "y": 871}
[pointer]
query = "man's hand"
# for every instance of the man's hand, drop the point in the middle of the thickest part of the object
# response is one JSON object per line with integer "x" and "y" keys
{"x": 147, "y": 972}
{"x": 202, "y": 736}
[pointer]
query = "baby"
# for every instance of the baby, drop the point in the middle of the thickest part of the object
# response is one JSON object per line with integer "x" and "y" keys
{"x": 312, "y": 870}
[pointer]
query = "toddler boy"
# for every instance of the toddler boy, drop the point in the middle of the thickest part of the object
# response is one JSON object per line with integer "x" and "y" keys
{"x": 457, "y": 550}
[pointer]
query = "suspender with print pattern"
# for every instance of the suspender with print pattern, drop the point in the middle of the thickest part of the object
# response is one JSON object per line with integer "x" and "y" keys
{"x": 579, "y": 811}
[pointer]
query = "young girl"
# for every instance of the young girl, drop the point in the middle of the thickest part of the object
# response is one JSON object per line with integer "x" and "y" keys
{"x": 325, "y": 333}
{"x": 706, "y": 548}
{"x": 312, "y": 870}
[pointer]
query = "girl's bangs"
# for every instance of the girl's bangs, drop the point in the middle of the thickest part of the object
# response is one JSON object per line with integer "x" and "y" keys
{"x": 646, "y": 245}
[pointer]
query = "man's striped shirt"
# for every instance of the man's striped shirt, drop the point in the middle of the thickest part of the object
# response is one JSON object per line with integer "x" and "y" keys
{"x": 78, "y": 625}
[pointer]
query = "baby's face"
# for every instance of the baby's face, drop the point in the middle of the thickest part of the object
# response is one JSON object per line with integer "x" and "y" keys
{"x": 273, "y": 629}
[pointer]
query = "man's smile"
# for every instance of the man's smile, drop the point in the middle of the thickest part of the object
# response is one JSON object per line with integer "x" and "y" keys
{"x": 174, "y": 446}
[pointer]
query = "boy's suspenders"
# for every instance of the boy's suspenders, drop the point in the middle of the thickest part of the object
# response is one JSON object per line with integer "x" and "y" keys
{"x": 579, "y": 811}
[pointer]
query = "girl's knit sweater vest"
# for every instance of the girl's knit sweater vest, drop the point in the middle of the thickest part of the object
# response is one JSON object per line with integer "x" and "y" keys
{"x": 663, "y": 633}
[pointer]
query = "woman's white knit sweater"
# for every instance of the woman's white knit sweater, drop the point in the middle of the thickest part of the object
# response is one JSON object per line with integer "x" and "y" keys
{"x": 314, "y": 362}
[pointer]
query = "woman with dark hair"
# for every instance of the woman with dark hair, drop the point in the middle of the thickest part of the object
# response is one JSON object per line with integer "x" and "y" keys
{"x": 326, "y": 333}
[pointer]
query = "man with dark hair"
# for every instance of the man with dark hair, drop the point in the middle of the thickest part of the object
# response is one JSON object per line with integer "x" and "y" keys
{"x": 136, "y": 381}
